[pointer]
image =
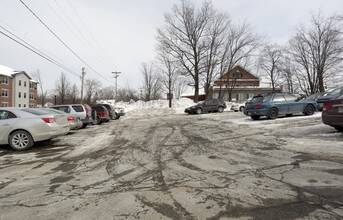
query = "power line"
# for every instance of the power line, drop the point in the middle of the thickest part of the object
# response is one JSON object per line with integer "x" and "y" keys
{"x": 90, "y": 34}
{"x": 28, "y": 39}
{"x": 84, "y": 41}
{"x": 62, "y": 41}
{"x": 38, "y": 53}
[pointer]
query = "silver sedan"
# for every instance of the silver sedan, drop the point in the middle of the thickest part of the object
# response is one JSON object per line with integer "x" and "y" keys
{"x": 22, "y": 127}
{"x": 73, "y": 119}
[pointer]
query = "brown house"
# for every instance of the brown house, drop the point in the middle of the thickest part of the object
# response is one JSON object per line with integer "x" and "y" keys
{"x": 238, "y": 84}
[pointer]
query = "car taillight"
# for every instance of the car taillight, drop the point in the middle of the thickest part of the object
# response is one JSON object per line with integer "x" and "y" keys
{"x": 49, "y": 120}
{"x": 86, "y": 110}
{"x": 327, "y": 106}
{"x": 259, "y": 106}
{"x": 70, "y": 118}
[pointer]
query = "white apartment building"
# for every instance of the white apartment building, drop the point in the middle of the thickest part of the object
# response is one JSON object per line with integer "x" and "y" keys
{"x": 17, "y": 89}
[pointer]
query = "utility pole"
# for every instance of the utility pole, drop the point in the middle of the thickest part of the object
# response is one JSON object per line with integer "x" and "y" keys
{"x": 116, "y": 75}
{"x": 82, "y": 77}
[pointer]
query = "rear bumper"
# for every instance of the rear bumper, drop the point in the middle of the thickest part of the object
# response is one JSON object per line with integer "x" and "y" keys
{"x": 332, "y": 120}
{"x": 259, "y": 112}
{"x": 53, "y": 133}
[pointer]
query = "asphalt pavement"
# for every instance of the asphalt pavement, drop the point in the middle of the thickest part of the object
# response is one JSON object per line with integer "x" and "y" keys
{"x": 179, "y": 166}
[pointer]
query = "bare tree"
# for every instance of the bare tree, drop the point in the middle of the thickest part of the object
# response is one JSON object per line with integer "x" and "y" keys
{"x": 241, "y": 43}
{"x": 73, "y": 93}
{"x": 216, "y": 37}
{"x": 62, "y": 88}
{"x": 288, "y": 73}
{"x": 36, "y": 76}
{"x": 184, "y": 35}
{"x": 127, "y": 94}
{"x": 151, "y": 82}
{"x": 180, "y": 86}
{"x": 168, "y": 69}
{"x": 107, "y": 93}
{"x": 318, "y": 50}
{"x": 269, "y": 62}
{"x": 92, "y": 87}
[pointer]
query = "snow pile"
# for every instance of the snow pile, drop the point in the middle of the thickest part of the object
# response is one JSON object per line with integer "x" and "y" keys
{"x": 4, "y": 70}
{"x": 154, "y": 107}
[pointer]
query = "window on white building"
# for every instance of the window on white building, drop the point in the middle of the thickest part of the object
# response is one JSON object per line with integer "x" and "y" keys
{"x": 4, "y": 104}
{"x": 24, "y": 83}
{"x": 19, "y": 105}
{"x": 19, "y": 82}
{"x": 4, "y": 80}
{"x": 19, "y": 95}
{"x": 4, "y": 93}
{"x": 24, "y": 95}
{"x": 24, "y": 105}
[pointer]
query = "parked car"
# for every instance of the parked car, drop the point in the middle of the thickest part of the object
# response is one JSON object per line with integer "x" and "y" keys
{"x": 22, "y": 127}
{"x": 239, "y": 106}
{"x": 111, "y": 111}
{"x": 100, "y": 113}
{"x": 74, "y": 120}
{"x": 209, "y": 105}
{"x": 272, "y": 105}
{"x": 331, "y": 95}
{"x": 333, "y": 113}
{"x": 315, "y": 97}
{"x": 120, "y": 111}
{"x": 83, "y": 111}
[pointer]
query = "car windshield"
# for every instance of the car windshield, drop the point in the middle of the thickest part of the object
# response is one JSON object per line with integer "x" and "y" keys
{"x": 261, "y": 98}
{"x": 335, "y": 91}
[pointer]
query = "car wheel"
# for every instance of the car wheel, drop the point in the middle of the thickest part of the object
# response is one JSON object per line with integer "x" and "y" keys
{"x": 20, "y": 140}
{"x": 98, "y": 121}
{"x": 309, "y": 110}
{"x": 114, "y": 117}
{"x": 84, "y": 125}
{"x": 242, "y": 108}
{"x": 198, "y": 111}
{"x": 272, "y": 113}
{"x": 220, "y": 109}
{"x": 255, "y": 117}
{"x": 117, "y": 116}
{"x": 338, "y": 128}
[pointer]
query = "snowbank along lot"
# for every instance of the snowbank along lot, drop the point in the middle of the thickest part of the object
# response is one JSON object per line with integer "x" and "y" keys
{"x": 159, "y": 163}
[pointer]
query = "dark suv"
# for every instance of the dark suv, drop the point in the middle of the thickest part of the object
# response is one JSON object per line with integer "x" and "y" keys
{"x": 111, "y": 111}
{"x": 209, "y": 105}
{"x": 100, "y": 113}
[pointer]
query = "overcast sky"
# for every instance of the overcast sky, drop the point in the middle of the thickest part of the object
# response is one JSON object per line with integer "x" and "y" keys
{"x": 123, "y": 32}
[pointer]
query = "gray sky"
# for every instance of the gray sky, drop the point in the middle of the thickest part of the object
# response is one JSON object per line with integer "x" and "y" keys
{"x": 125, "y": 31}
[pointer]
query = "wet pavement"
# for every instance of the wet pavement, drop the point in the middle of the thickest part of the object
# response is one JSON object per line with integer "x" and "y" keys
{"x": 210, "y": 166}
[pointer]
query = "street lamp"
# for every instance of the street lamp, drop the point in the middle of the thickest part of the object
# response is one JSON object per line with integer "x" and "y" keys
{"x": 116, "y": 75}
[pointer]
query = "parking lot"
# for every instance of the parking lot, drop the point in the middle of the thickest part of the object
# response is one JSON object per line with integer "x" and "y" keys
{"x": 179, "y": 166}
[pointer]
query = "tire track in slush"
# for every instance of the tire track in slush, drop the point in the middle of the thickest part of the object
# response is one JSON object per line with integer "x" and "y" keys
{"x": 155, "y": 143}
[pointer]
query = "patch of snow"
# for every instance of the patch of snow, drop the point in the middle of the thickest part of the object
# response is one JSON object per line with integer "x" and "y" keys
{"x": 4, "y": 70}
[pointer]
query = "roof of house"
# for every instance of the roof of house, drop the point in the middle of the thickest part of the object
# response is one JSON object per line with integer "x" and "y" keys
{"x": 22, "y": 72}
{"x": 238, "y": 68}
{"x": 4, "y": 70}
{"x": 7, "y": 71}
